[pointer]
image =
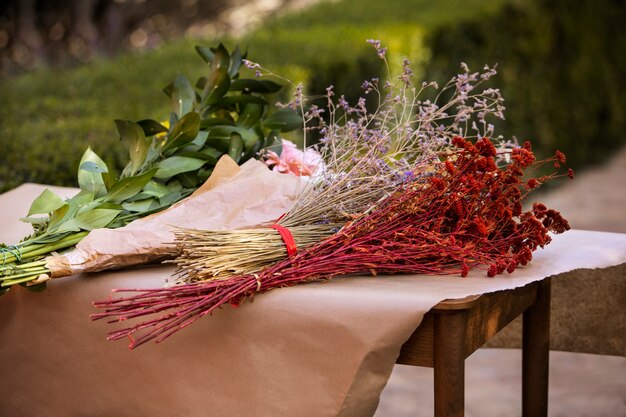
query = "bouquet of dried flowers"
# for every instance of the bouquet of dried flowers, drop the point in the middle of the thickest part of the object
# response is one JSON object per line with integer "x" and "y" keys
{"x": 464, "y": 213}
{"x": 415, "y": 187}
{"x": 366, "y": 155}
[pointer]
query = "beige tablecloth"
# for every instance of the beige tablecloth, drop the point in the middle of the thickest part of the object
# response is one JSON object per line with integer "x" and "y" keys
{"x": 312, "y": 350}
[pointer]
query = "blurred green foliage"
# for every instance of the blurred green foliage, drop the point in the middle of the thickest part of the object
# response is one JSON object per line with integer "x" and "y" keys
{"x": 562, "y": 71}
{"x": 558, "y": 72}
{"x": 49, "y": 117}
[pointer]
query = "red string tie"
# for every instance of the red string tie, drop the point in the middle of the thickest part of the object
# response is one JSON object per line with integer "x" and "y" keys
{"x": 287, "y": 237}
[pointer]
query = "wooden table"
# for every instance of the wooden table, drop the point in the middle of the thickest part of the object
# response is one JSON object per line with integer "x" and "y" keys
{"x": 454, "y": 329}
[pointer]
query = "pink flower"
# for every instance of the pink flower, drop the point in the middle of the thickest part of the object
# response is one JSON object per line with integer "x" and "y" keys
{"x": 294, "y": 161}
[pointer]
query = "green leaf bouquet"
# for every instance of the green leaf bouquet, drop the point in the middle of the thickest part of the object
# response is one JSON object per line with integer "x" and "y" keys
{"x": 221, "y": 114}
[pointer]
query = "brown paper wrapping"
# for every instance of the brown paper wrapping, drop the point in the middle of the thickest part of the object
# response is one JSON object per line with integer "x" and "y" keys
{"x": 233, "y": 197}
{"x": 314, "y": 350}
{"x": 59, "y": 266}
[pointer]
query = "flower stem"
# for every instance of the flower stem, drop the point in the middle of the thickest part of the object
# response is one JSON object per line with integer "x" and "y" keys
{"x": 33, "y": 250}
{"x": 29, "y": 277}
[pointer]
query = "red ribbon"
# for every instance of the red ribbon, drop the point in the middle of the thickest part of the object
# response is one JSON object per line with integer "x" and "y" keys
{"x": 290, "y": 243}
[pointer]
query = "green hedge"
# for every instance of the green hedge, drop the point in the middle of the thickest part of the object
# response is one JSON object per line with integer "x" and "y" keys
{"x": 49, "y": 117}
{"x": 562, "y": 68}
{"x": 564, "y": 97}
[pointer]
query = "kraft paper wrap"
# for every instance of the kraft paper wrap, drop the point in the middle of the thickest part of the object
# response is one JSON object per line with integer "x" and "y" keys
{"x": 59, "y": 266}
{"x": 233, "y": 197}
{"x": 318, "y": 350}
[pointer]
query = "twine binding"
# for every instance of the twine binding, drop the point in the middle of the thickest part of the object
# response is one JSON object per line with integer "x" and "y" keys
{"x": 13, "y": 250}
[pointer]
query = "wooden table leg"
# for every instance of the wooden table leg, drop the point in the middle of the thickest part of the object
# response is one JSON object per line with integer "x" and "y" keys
{"x": 536, "y": 354}
{"x": 449, "y": 363}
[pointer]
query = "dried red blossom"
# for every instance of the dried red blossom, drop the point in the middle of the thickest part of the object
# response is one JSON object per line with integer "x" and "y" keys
{"x": 539, "y": 210}
{"x": 523, "y": 157}
{"x": 570, "y": 173}
{"x": 480, "y": 227}
{"x": 449, "y": 167}
{"x": 458, "y": 141}
{"x": 532, "y": 183}
{"x": 437, "y": 183}
{"x": 485, "y": 147}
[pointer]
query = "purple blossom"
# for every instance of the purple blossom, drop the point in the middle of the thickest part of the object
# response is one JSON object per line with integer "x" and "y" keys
{"x": 250, "y": 65}
{"x": 380, "y": 50}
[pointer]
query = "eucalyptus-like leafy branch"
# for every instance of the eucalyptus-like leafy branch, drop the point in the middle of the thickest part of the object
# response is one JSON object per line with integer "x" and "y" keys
{"x": 221, "y": 114}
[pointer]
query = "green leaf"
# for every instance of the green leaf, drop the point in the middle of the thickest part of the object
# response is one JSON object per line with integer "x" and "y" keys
{"x": 38, "y": 221}
{"x": 220, "y": 143}
{"x": 221, "y": 59}
{"x": 198, "y": 155}
{"x": 174, "y": 186}
{"x": 91, "y": 166}
{"x": 57, "y": 215}
{"x": 170, "y": 198}
{"x": 204, "y": 174}
{"x": 151, "y": 127}
{"x": 242, "y": 99}
{"x": 156, "y": 188}
{"x": 141, "y": 206}
{"x": 229, "y": 103}
{"x": 188, "y": 179}
{"x": 283, "y": 120}
{"x": 214, "y": 121}
{"x": 198, "y": 142}
{"x": 255, "y": 86}
{"x": 183, "y": 132}
{"x": 99, "y": 204}
{"x": 201, "y": 83}
{"x": 235, "y": 62}
{"x": 132, "y": 135}
{"x": 46, "y": 203}
{"x": 173, "y": 118}
{"x": 219, "y": 137}
{"x": 81, "y": 199}
{"x": 273, "y": 141}
{"x": 60, "y": 218}
{"x": 96, "y": 218}
{"x": 109, "y": 180}
{"x": 216, "y": 87}
{"x": 253, "y": 150}
{"x": 128, "y": 187}
{"x": 174, "y": 165}
{"x": 68, "y": 226}
{"x": 89, "y": 220}
{"x": 183, "y": 95}
{"x": 141, "y": 196}
{"x": 206, "y": 53}
{"x": 213, "y": 155}
{"x": 91, "y": 181}
{"x": 235, "y": 147}
{"x": 250, "y": 115}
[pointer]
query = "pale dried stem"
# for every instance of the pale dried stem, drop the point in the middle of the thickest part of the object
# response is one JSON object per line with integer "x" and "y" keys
{"x": 220, "y": 254}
